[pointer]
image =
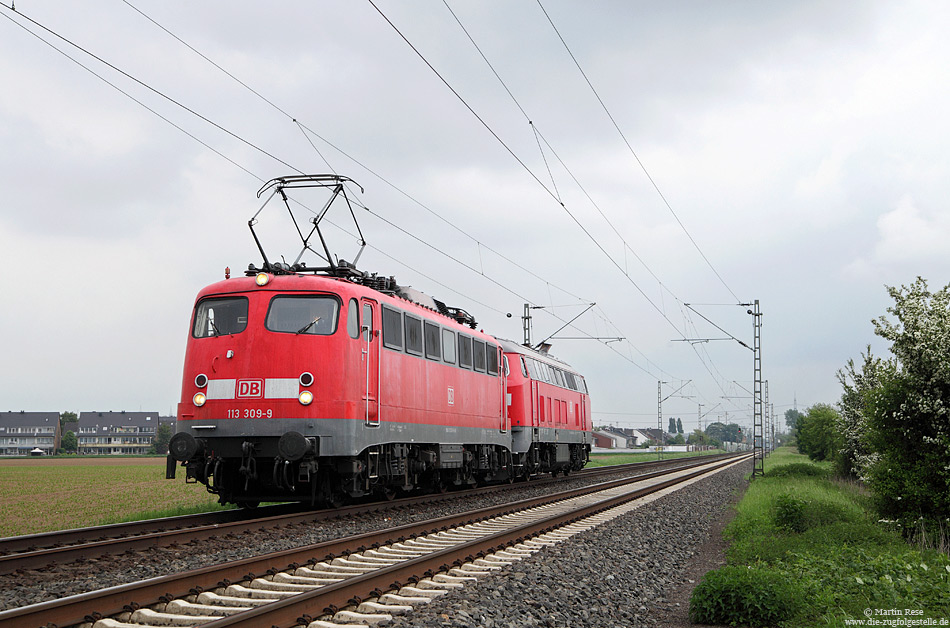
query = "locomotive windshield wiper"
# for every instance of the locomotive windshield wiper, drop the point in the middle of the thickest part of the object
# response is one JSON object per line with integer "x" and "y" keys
{"x": 217, "y": 332}
{"x": 308, "y": 326}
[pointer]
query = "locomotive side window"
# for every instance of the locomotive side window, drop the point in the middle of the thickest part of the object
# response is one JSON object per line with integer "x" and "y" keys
{"x": 311, "y": 315}
{"x": 220, "y": 317}
{"x": 492, "y": 356}
{"x": 479, "y": 356}
{"x": 465, "y": 352}
{"x": 524, "y": 367}
{"x": 532, "y": 368}
{"x": 353, "y": 319}
{"x": 433, "y": 341}
{"x": 570, "y": 380}
{"x": 392, "y": 328}
{"x": 413, "y": 335}
{"x": 368, "y": 321}
{"x": 448, "y": 346}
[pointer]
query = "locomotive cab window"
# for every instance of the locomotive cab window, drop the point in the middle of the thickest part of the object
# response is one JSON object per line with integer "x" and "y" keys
{"x": 220, "y": 317}
{"x": 448, "y": 346}
{"x": 479, "y": 353}
{"x": 310, "y": 315}
{"x": 432, "y": 338}
{"x": 392, "y": 328}
{"x": 413, "y": 335}
{"x": 465, "y": 352}
{"x": 368, "y": 322}
{"x": 353, "y": 319}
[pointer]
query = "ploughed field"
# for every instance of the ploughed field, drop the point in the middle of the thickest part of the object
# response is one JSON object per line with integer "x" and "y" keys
{"x": 40, "y": 495}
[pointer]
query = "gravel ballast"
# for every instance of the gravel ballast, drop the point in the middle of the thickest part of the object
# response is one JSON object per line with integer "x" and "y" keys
{"x": 618, "y": 574}
{"x": 622, "y": 573}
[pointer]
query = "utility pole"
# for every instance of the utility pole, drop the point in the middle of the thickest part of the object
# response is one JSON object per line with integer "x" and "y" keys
{"x": 659, "y": 407}
{"x": 766, "y": 430}
{"x": 699, "y": 420}
{"x": 758, "y": 434}
{"x": 659, "y": 416}
{"x": 772, "y": 421}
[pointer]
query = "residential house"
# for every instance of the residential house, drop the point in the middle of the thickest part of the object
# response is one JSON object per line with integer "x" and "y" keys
{"x": 116, "y": 433}
{"x": 25, "y": 433}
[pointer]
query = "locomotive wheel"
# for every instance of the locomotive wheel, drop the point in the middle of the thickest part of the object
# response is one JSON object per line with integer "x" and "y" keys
{"x": 248, "y": 505}
{"x": 389, "y": 493}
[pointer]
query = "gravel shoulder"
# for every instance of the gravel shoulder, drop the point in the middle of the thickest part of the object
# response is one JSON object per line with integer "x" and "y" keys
{"x": 637, "y": 570}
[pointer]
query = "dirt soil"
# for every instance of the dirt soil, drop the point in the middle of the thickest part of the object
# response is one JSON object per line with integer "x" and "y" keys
{"x": 710, "y": 555}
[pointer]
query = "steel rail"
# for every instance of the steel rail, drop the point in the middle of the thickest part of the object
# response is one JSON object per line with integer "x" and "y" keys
{"x": 97, "y": 604}
{"x": 295, "y": 610}
{"x": 21, "y": 553}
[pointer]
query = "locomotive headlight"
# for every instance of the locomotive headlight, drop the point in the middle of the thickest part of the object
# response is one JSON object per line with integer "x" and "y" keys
{"x": 306, "y": 378}
{"x": 262, "y": 279}
{"x": 201, "y": 380}
{"x": 306, "y": 397}
{"x": 199, "y": 399}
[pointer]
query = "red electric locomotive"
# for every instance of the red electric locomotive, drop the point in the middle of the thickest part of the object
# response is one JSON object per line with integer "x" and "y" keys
{"x": 323, "y": 384}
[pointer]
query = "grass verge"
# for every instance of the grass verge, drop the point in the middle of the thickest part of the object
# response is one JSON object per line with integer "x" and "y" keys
{"x": 806, "y": 550}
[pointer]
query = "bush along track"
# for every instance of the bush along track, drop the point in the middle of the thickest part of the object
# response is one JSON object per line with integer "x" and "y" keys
{"x": 806, "y": 551}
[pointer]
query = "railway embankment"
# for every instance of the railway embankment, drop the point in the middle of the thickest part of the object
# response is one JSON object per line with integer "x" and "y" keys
{"x": 806, "y": 549}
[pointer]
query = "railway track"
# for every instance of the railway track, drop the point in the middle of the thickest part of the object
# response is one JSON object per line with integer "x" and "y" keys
{"x": 40, "y": 551}
{"x": 347, "y": 579}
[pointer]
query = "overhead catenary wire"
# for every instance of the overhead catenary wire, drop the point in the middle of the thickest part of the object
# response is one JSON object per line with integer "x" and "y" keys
{"x": 205, "y": 144}
{"x": 635, "y": 156}
{"x": 307, "y": 130}
{"x": 227, "y": 131}
{"x": 531, "y": 173}
{"x": 539, "y": 137}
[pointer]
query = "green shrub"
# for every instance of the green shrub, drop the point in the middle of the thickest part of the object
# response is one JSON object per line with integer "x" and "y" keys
{"x": 852, "y": 534}
{"x": 797, "y": 469}
{"x": 744, "y": 596}
{"x": 788, "y": 513}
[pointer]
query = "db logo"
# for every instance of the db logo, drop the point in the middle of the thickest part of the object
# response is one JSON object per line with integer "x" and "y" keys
{"x": 250, "y": 388}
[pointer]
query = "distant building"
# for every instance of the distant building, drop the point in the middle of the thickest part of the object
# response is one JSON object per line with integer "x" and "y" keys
{"x": 116, "y": 433}
{"x": 26, "y": 433}
{"x": 612, "y": 438}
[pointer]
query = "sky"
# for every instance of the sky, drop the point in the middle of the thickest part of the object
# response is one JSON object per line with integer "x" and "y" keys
{"x": 640, "y": 156}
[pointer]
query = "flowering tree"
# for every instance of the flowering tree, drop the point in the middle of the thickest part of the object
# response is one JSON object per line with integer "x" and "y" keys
{"x": 908, "y": 411}
{"x": 856, "y": 457}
